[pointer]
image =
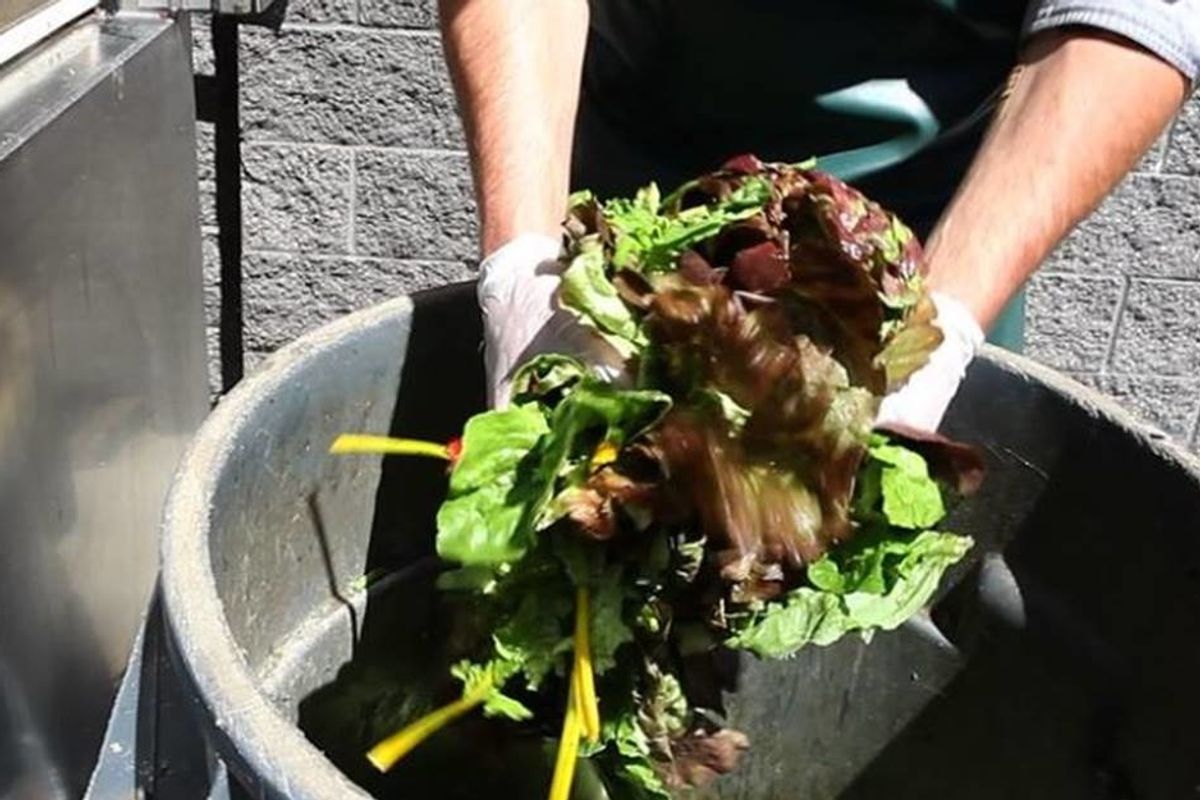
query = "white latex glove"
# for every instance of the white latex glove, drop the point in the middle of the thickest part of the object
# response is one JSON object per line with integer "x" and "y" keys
{"x": 922, "y": 402}
{"x": 517, "y": 290}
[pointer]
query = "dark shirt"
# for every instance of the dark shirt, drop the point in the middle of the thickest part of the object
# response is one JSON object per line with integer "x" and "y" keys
{"x": 892, "y": 95}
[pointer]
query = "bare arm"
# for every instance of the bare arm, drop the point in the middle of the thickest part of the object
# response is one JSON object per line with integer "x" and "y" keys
{"x": 516, "y": 68}
{"x": 1080, "y": 110}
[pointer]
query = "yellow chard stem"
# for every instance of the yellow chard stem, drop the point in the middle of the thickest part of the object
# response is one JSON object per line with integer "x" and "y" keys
{"x": 386, "y": 445}
{"x": 577, "y": 697}
{"x": 582, "y": 718}
{"x": 385, "y": 754}
{"x": 583, "y": 675}
{"x": 568, "y": 751}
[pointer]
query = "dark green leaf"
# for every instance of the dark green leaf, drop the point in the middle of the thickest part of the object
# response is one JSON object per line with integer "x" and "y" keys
{"x": 608, "y": 627}
{"x": 638, "y": 781}
{"x": 592, "y": 413}
{"x": 494, "y": 673}
{"x": 538, "y": 635}
{"x": 546, "y": 375}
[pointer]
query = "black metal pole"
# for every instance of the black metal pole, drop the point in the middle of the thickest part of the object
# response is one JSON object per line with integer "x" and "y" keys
{"x": 228, "y": 171}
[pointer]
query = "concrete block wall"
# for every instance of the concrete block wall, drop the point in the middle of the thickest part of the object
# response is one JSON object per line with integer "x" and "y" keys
{"x": 356, "y": 187}
{"x": 1118, "y": 304}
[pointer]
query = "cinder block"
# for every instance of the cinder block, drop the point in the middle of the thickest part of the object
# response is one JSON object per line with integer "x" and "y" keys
{"x": 350, "y": 284}
{"x": 414, "y": 206}
{"x": 1183, "y": 152}
{"x": 277, "y": 296}
{"x": 202, "y": 52}
{"x": 288, "y": 295}
{"x": 211, "y": 265}
{"x": 398, "y": 13}
{"x": 296, "y": 197}
{"x": 205, "y": 173}
{"x": 212, "y": 346}
{"x": 348, "y": 87}
{"x": 1168, "y": 404}
{"x": 342, "y": 11}
{"x": 1070, "y": 320}
{"x": 211, "y": 259}
{"x": 1150, "y": 226}
{"x": 1159, "y": 332}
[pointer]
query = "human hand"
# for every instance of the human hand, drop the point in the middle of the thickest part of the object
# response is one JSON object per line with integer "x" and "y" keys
{"x": 518, "y": 295}
{"x": 922, "y": 402}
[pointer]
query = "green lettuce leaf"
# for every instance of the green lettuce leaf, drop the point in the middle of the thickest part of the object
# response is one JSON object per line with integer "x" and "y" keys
{"x": 484, "y": 519}
{"x": 476, "y": 578}
{"x": 807, "y": 616}
{"x": 864, "y": 564}
{"x": 587, "y": 291}
{"x": 580, "y": 197}
{"x": 821, "y": 616}
{"x": 911, "y": 498}
{"x": 650, "y": 241}
{"x": 918, "y": 573}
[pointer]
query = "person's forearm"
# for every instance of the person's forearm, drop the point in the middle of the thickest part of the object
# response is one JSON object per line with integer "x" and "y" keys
{"x": 1079, "y": 112}
{"x": 516, "y": 68}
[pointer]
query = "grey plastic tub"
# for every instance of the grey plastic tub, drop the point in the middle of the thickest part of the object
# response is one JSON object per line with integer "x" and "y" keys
{"x": 1061, "y": 662}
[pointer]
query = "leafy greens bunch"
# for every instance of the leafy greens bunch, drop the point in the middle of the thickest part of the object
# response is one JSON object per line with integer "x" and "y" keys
{"x": 614, "y": 540}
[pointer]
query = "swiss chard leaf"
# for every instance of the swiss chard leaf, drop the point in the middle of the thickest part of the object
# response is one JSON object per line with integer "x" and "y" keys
{"x": 592, "y": 413}
{"x": 511, "y": 460}
{"x": 483, "y": 520}
{"x": 537, "y": 635}
{"x": 608, "y": 627}
{"x": 492, "y": 675}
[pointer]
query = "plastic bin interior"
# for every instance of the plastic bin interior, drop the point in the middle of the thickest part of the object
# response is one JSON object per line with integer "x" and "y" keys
{"x": 1060, "y": 662}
